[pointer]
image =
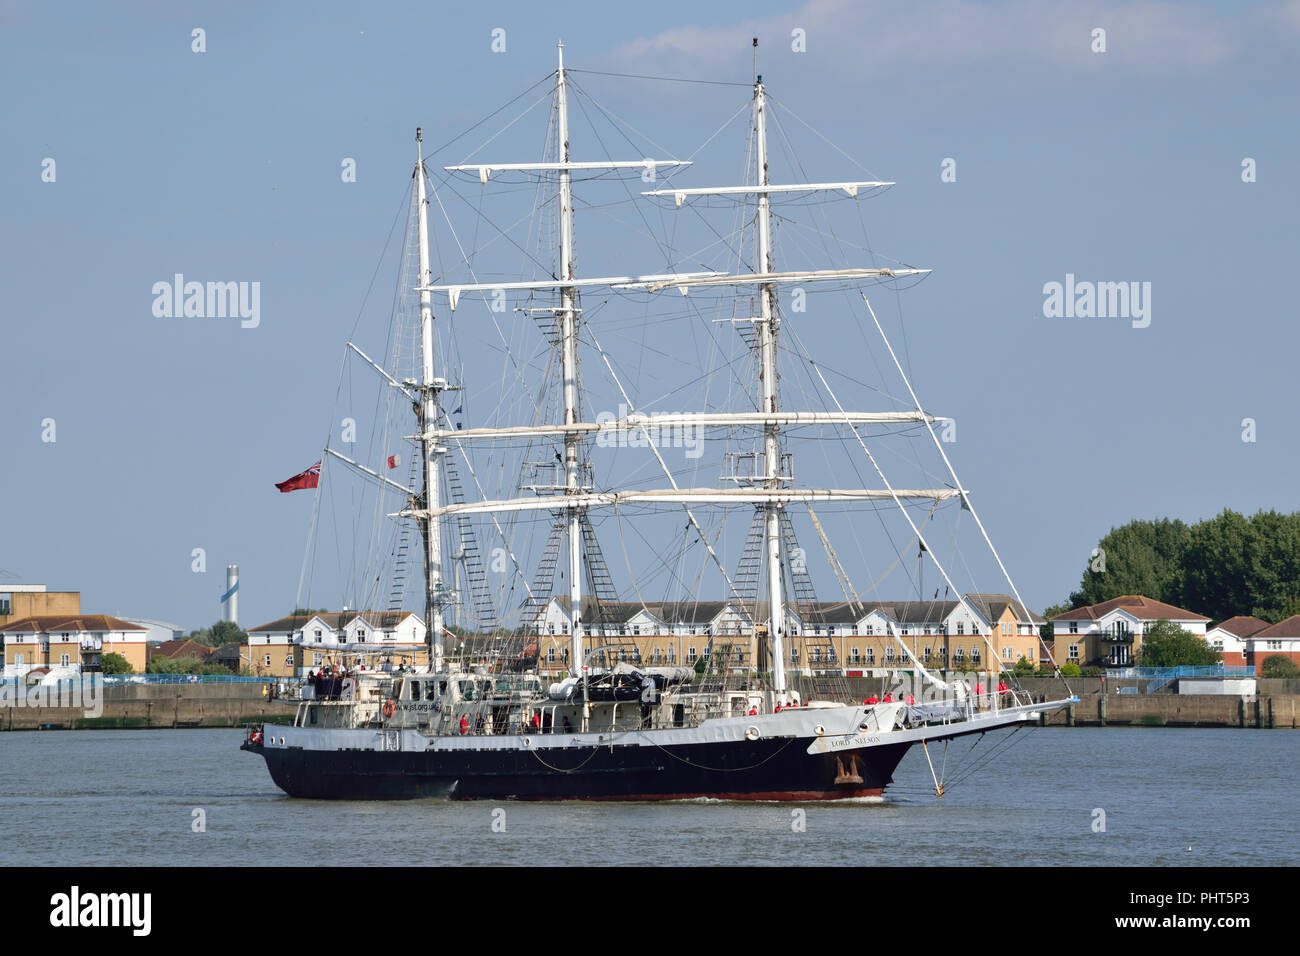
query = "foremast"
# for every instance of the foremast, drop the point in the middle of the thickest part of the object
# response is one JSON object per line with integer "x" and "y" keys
{"x": 428, "y": 411}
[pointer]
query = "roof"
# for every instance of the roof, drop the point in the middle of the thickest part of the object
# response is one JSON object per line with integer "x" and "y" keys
{"x": 1289, "y": 627}
{"x": 50, "y": 623}
{"x": 183, "y": 648}
{"x": 1143, "y": 608}
{"x": 919, "y": 612}
{"x": 691, "y": 612}
{"x": 993, "y": 606}
{"x": 1241, "y": 625}
{"x": 337, "y": 620}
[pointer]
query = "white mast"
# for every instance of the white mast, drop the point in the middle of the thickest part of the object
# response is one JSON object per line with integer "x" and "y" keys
{"x": 767, "y": 329}
{"x": 569, "y": 369}
{"x": 431, "y": 450}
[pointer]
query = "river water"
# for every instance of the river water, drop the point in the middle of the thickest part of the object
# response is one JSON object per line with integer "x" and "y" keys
{"x": 1083, "y": 796}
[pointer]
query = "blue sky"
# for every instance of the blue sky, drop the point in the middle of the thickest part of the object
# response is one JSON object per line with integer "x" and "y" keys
{"x": 225, "y": 165}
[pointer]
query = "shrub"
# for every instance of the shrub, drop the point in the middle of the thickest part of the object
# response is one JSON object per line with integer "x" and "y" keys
{"x": 1070, "y": 669}
{"x": 1277, "y": 666}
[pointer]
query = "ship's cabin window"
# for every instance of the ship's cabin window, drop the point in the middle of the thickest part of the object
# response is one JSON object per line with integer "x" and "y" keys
{"x": 415, "y": 690}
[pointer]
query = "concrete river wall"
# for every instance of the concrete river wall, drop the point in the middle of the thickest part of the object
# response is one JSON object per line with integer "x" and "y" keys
{"x": 156, "y": 706}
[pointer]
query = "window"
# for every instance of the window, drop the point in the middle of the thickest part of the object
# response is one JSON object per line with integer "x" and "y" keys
{"x": 318, "y": 636}
{"x": 361, "y": 634}
{"x": 1008, "y": 653}
{"x": 288, "y": 660}
{"x": 959, "y": 654}
{"x": 794, "y": 655}
{"x": 1074, "y": 627}
{"x": 830, "y": 655}
{"x": 1074, "y": 652}
{"x": 691, "y": 655}
{"x": 889, "y": 653}
{"x": 268, "y": 660}
{"x": 564, "y": 655}
{"x": 64, "y": 660}
{"x": 550, "y": 628}
{"x": 907, "y": 630}
{"x": 817, "y": 655}
{"x": 550, "y": 655}
{"x": 871, "y": 630}
{"x": 672, "y": 654}
{"x": 658, "y": 655}
{"x": 855, "y": 655}
{"x": 975, "y": 655}
{"x": 19, "y": 659}
{"x": 1006, "y": 629}
{"x": 317, "y": 659}
{"x": 927, "y": 654}
{"x": 871, "y": 655}
{"x": 961, "y": 627}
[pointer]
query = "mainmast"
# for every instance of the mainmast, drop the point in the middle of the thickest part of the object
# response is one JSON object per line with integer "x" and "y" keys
{"x": 769, "y": 323}
{"x": 569, "y": 369}
{"x": 430, "y": 415}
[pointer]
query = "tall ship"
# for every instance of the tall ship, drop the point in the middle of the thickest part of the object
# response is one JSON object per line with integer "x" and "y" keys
{"x": 716, "y": 671}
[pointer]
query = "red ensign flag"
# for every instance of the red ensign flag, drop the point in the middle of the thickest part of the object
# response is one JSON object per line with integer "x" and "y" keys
{"x": 308, "y": 479}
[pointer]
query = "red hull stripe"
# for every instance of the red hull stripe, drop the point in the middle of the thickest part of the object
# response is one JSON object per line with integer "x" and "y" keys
{"x": 791, "y": 795}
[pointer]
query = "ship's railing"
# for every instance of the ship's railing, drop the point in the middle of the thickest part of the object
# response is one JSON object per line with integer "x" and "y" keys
{"x": 125, "y": 679}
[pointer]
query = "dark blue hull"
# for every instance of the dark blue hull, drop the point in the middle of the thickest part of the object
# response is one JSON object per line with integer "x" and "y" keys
{"x": 775, "y": 769}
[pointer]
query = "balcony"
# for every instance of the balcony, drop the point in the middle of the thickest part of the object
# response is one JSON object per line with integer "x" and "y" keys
{"x": 1117, "y": 636}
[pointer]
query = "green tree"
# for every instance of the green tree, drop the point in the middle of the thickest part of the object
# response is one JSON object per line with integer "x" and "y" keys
{"x": 1168, "y": 645}
{"x": 1070, "y": 669}
{"x": 1141, "y": 557}
{"x": 115, "y": 664}
{"x": 222, "y": 632}
{"x": 1023, "y": 668}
